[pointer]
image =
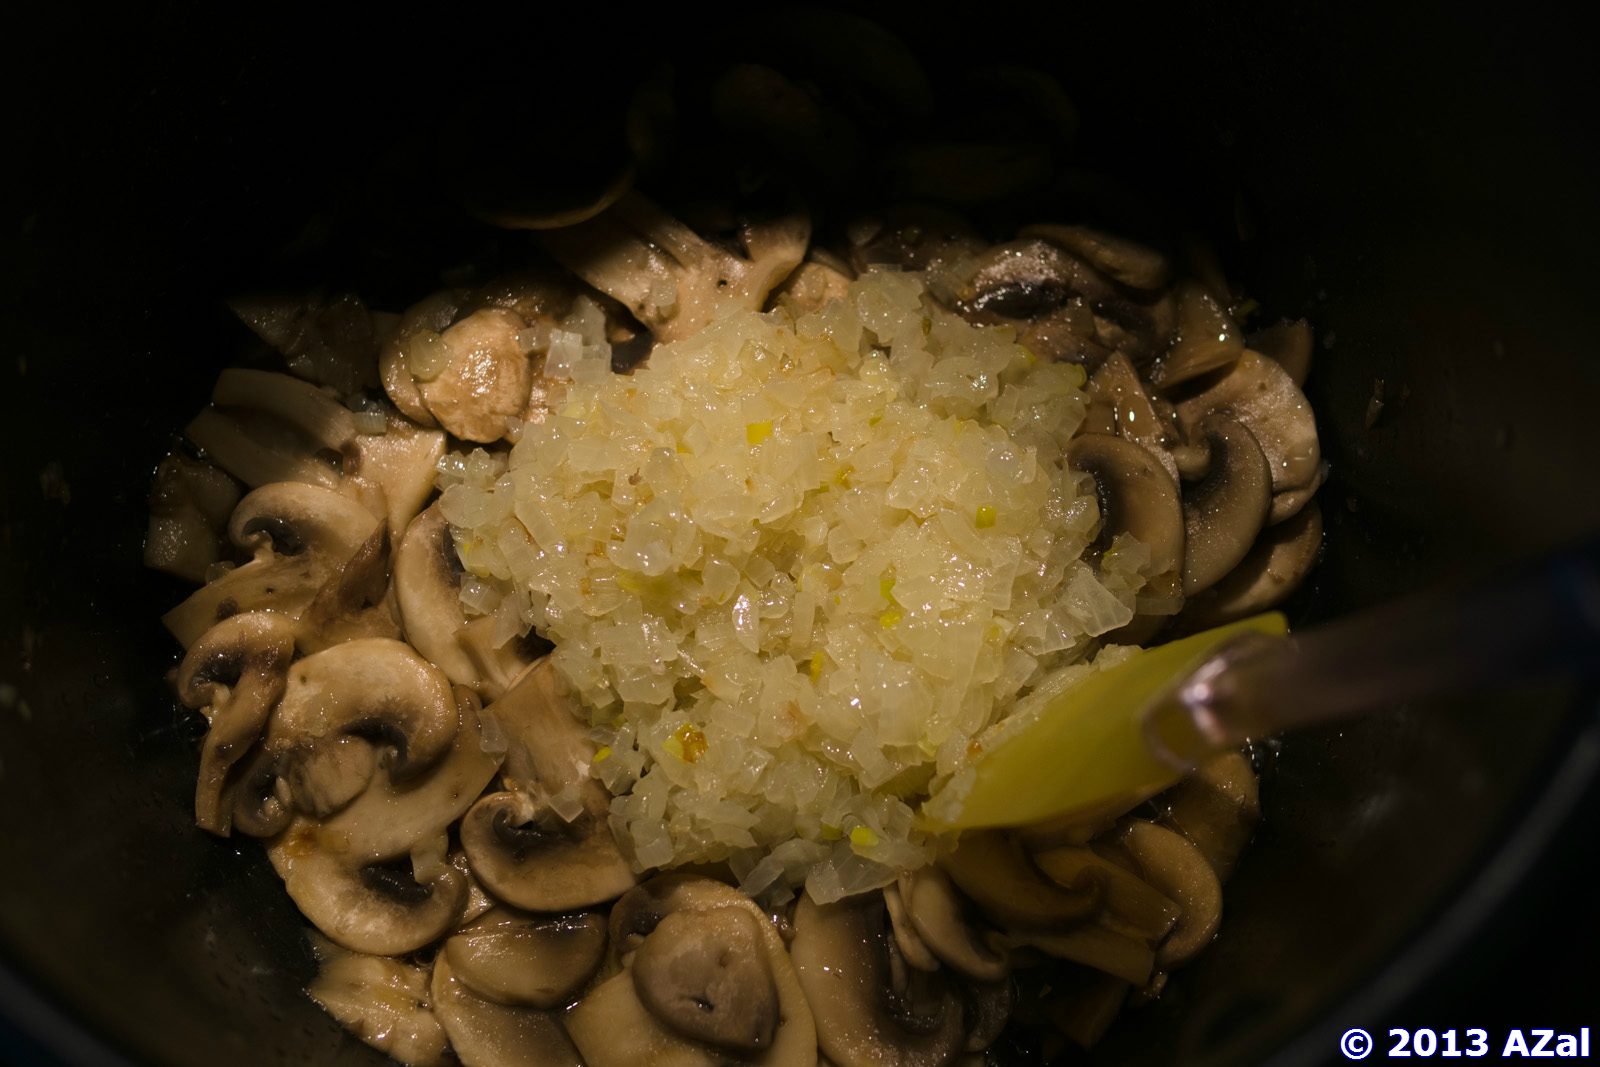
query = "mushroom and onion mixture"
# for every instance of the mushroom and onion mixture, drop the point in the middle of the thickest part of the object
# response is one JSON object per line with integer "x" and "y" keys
{"x": 581, "y": 644}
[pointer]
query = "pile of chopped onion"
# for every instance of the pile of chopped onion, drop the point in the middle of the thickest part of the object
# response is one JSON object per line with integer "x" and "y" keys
{"x": 798, "y": 571}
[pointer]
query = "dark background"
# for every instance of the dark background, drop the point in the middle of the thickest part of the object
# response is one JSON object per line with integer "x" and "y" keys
{"x": 1420, "y": 182}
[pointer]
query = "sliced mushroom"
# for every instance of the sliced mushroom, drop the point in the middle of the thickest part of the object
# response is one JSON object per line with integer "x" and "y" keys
{"x": 427, "y": 583}
{"x": 479, "y": 902}
{"x": 1223, "y": 514}
{"x": 547, "y": 736}
{"x": 533, "y": 962}
{"x": 669, "y": 277}
{"x": 991, "y": 867}
{"x": 528, "y": 856}
{"x": 190, "y": 502}
{"x": 355, "y": 602}
{"x": 1126, "y": 262}
{"x": 395, "y": 470}
{"x": 1290, "y": 502}
{"x": 914, "y": 238}
{"x": 1137, "y": 497}
{"x": 300, "y": 535}
{"x": 1217, "y": 808}
{"x": 1289, "y": 345}
{"x": 913, "y": 949}
{"x": 331, "y": 341}
{"x": 1178, "y": 871}
{"x": 1207, "y": 339}
{"x": 1119, "y": 404}
{"x": 1260, "y": 394}
{"x": 259, "y": 449}
{"x": 394, "y": 813}
{"x": 611, "y": 1024}
{"x": 486, "y": 376}
{"x": 869, "y": 1011}
{"x": 1131, "y": 906}
{"x": 368, "y": 908}
{"x": 383, "y": 1001}
{"x": 936, "y": 914}
{"x": 1274, "y": 567}
{"x": 486, "y": 1034}
{"x": 236, "y": 671}
{"x": 987, "y": 1009}
{"x": 1129, "y": 958}
{"x": 704, "y": 973}
{"x": 416, "y": 338}
{"x": 329, "y": 773}
{"x": 316, "y": 414}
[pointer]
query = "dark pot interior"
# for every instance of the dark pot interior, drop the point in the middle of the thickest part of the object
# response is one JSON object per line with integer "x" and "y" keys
{"x": 1421, "y": 189}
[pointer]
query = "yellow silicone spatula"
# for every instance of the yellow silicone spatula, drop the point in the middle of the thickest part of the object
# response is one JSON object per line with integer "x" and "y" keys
{"x": 1123, "y": 734}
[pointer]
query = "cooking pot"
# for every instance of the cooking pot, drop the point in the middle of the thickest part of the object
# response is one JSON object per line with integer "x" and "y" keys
{"x": 1420, "y": 187}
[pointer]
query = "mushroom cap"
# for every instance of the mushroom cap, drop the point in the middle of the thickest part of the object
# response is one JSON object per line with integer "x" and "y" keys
{"x": 705, "y": 974}
{"x": 486, "y": 1034}
{"x": 520, "y": 959}
{"x": 434, "y": 313}
{"x": 612, "y": 1026}
{"x": 374, "y": 687}
{"x": 365, "y": 908}
{"x": 1224, "y": 513}
{"x": 485, "y": 383}
{"x": 300, "y": 534}
{"x": 237, "y": 671}
{"x": 529, "y": 857}
{"x": 1260, "y": 394}
{"x": 868, "y": 1014}
{"x": 382, "y": 1001}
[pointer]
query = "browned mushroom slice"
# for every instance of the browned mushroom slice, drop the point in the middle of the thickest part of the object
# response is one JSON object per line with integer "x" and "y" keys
{"x": 1217, "y": 807}
{"x": 1207, "y": 339}
{"x": 300, "y": 535}
{"x": 868, "y": 1010}
{"x": 705, "y": 974}
{"x": 383, "y": 910}
{"x": 992, "y": 868}
{"x": 1173, "y": 866}
{"x": 486, "y": 1034}
{"x": 528, "y": 856}
{"x": 1275, "y": 566}
{"x": 1118, "y": 258}
{"x": 393, "y": 814}
{"x": 1289, "y": 345}
{"x": 534, "y": 962}
{"x": 237, "y": 671}
{"x": 1223, "y": 514}
{"x": 937, "y": 915}
{"x": 1120, "y": 405}
{"x": 355, "y": 602}
{"x": 1137, "y": 497}
{"x": 669, "y": 277}
{"x": 913, "y": 238}
{"x": 485, "y": 378}
{"x": 417, "y": 339}
{"x": 1131, "y": 906}
{"x": 190, "y": 502}
{"x": 330, "y": 341}
{"x": 382, "y": 1001}
{"x": 1260, "y": 394}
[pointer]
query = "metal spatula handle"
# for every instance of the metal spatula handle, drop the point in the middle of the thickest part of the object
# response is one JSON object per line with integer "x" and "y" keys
{"x": 1543, "y": 619}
